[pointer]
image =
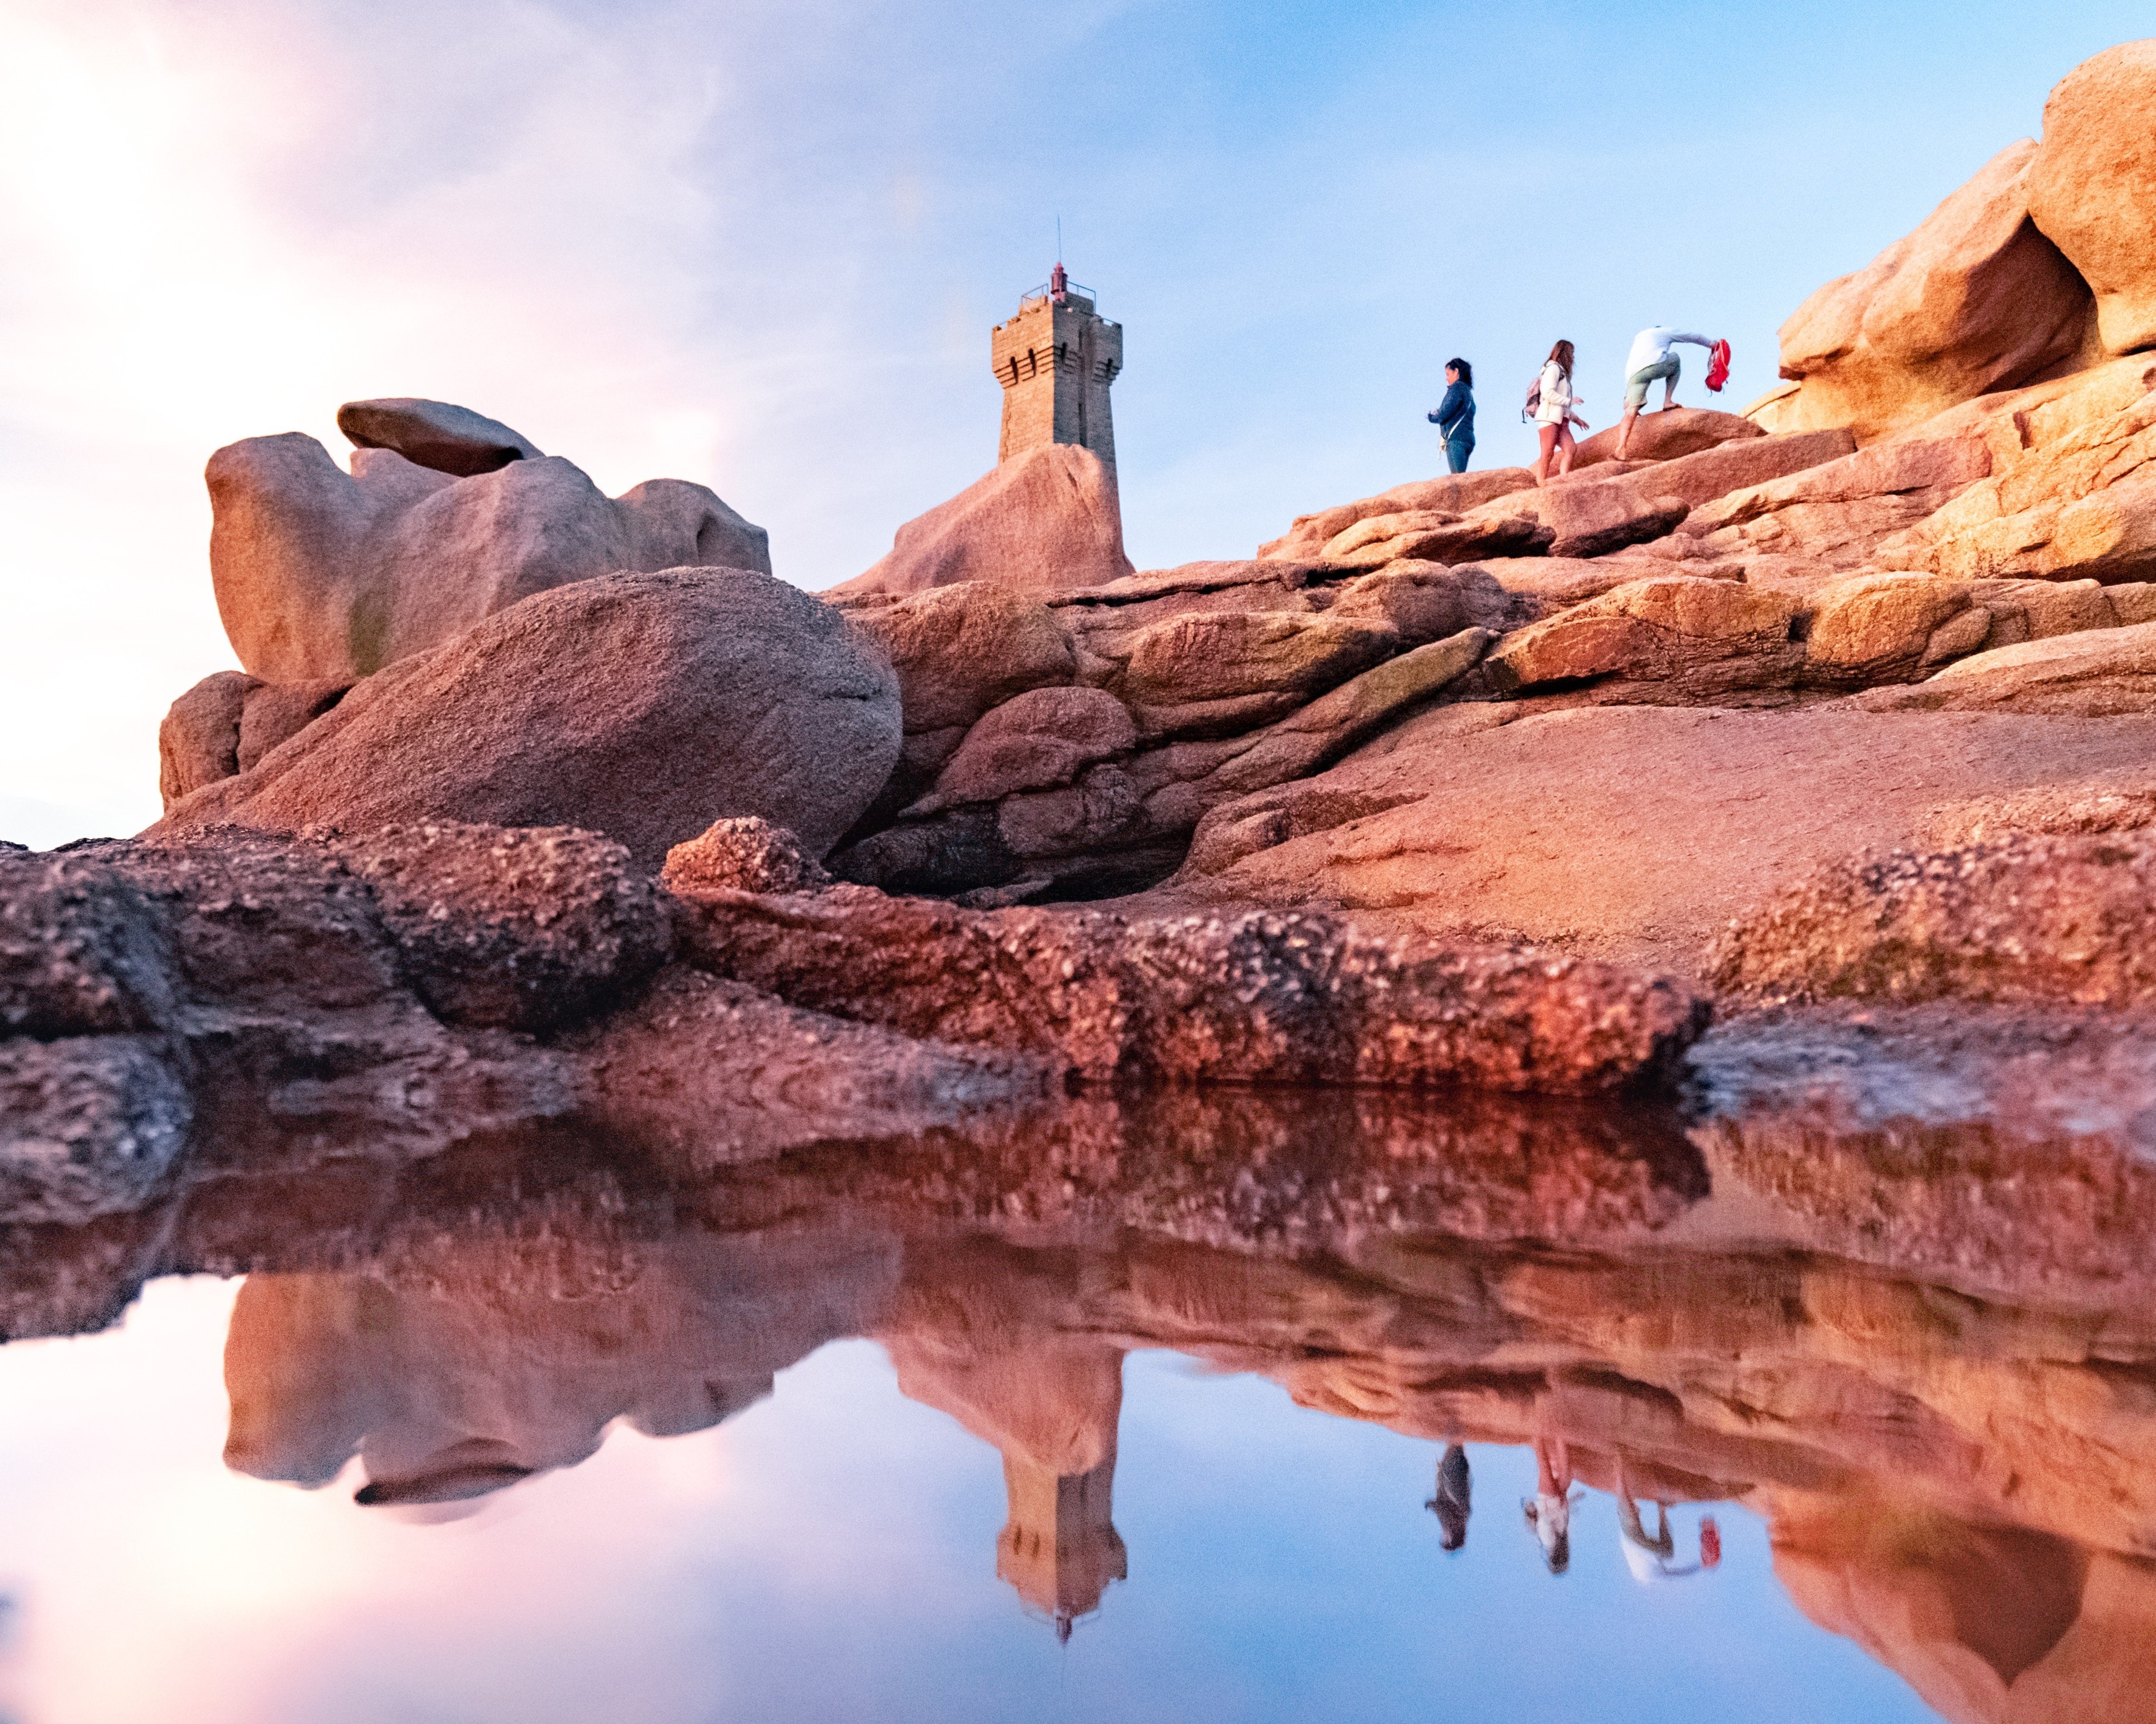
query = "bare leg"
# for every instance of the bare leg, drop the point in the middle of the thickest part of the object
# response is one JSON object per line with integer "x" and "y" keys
{"x": 1625, "y": 430}
{"x": 1669, "y": 394}
{"x": 1548, "y": 435}
{"x": 1565, "y": 446}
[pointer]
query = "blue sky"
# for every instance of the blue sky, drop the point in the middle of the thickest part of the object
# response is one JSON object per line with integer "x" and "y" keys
{"x": 761, "y": 246}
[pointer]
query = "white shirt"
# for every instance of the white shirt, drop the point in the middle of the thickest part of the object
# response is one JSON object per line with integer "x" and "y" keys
{"x": 1652, "y": 345}
{"x": 1556, "y": 395}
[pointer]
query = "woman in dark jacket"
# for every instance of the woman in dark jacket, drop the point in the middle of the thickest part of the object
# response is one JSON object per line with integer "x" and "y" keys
{"x": 1455, "y": 418}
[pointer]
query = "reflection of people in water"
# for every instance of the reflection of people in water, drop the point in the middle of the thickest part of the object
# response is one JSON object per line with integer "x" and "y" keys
{"x": 1550, "y": 1514}
{"x": 1652, "y": 1558}
{"x": 1450, "y": 1504}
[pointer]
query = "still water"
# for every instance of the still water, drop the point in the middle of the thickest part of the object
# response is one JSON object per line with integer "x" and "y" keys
{"x": 1044, "y": 1432}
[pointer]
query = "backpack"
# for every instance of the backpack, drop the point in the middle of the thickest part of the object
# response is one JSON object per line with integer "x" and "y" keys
{"x": 1534, "y": 401}
{"x": 1717, "y": 366}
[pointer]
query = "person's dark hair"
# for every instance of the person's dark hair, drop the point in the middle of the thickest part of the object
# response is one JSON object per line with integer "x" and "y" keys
{"x": 1451, "y": 1522}
{"x": 1563, "y": 354}
{"x": 1467, "y": 370}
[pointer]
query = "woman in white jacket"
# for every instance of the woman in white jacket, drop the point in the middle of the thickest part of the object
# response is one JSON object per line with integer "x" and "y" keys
{"x": 1554, "y": 416}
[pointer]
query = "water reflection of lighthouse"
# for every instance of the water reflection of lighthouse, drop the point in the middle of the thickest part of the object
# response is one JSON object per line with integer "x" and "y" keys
{"x": 1050, "y": 1402}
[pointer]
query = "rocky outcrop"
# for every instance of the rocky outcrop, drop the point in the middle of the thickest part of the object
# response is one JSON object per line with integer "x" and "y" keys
{"x": 2076, "y": 503}
{"x": 2021, "y": 919}
{"x": 1122, "y": 819}
{"x": 2091, "y": 188}
{"x": 1667, "y": 434}
{"x": 1975, "y": 300}
{"x": 2095, "y": 674}
{"x": 644, "y": 707}
{"x": 1672, "y": 637}
{"x": 1043, "y": 522}
{"x": 1837, "y": 512}
{"x": 1450, "y": 494}
{"x": 1241, "y": 999}
{"x": 325, "y": 575}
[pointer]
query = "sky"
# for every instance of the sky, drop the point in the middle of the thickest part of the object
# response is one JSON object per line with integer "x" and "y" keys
{"x": 761, "y": 246}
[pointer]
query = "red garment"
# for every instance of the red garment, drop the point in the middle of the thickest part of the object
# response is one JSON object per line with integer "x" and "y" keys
{"x": 1717, "y": 366}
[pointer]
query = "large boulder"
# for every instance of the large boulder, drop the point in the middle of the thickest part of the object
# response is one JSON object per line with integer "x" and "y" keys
{"x": 1043, "y": 522}
{"x": 326, "y": 576}
{"x": 643, "y": 707}
{"x": 1590, "y": 517}
{"x": 1976, "y": 299}
{"x": 2092, "y": 187}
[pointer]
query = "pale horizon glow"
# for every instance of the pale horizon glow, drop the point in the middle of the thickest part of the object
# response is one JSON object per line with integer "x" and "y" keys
{"x": 760, "y": 247}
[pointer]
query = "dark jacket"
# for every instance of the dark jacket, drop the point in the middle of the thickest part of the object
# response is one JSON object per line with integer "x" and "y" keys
{"x": 1455, "y": 413}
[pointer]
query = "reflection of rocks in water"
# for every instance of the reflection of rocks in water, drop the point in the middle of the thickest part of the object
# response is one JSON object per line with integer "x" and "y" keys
{"x": 509, "y": 1361}
{"x": 1834, "y": 1327}
{"x": 1989, "y": 1623}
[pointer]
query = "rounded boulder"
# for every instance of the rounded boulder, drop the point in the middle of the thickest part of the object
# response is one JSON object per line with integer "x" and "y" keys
{"x": 644, "y": 707}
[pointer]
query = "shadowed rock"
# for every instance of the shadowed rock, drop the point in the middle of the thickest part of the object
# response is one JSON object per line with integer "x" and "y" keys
{"x": 435, "y": 434}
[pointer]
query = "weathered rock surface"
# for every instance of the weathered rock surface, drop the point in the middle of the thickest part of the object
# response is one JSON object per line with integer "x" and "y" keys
{"x": 961, "y": 649}
{"x": 743, "y": 854}
{"x": 2021, "y": 919}
{"x": 2097, "y": 673}
{"x": 523, "y": 928}
{"x": 89, "y": 1125}
{"x": 1587, "y": 517}
{"x": 2081, "y": 506}
{"x": 1628, "y": 833}
{"x": 228, "y": 721}
{"x": 1043, "y": 522}
{"x": 1123, "y": 823}
{"x": 1450, "y": 492}
{"x": 325, "y": 575}
{"x": 2091, "y": 188}
{"x": 1038, "y": 740}
{"x": 1212, "y": 673}
{"x": 1665, "y": 434}
{"x": 641, "y": 706}
{"x": 435, "y": 434}
{"x": 708, "y": 1072}
{"x": 1837, "y": 512}
{"x": 1430, "y": 536}
{"x": 1975, "y": 300}
{"x": 1258, "y": 998}
{"x": 1672, "y": 637}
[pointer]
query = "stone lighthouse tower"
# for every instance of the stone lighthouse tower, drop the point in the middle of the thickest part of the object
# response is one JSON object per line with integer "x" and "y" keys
{"x": 1056, "y": 360}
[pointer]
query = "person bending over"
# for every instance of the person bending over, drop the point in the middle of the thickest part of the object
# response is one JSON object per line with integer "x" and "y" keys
{"x": 1650, "y": 360}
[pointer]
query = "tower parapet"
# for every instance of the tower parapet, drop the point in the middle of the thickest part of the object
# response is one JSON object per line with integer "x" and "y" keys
{"x": 1056, "y": 360}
